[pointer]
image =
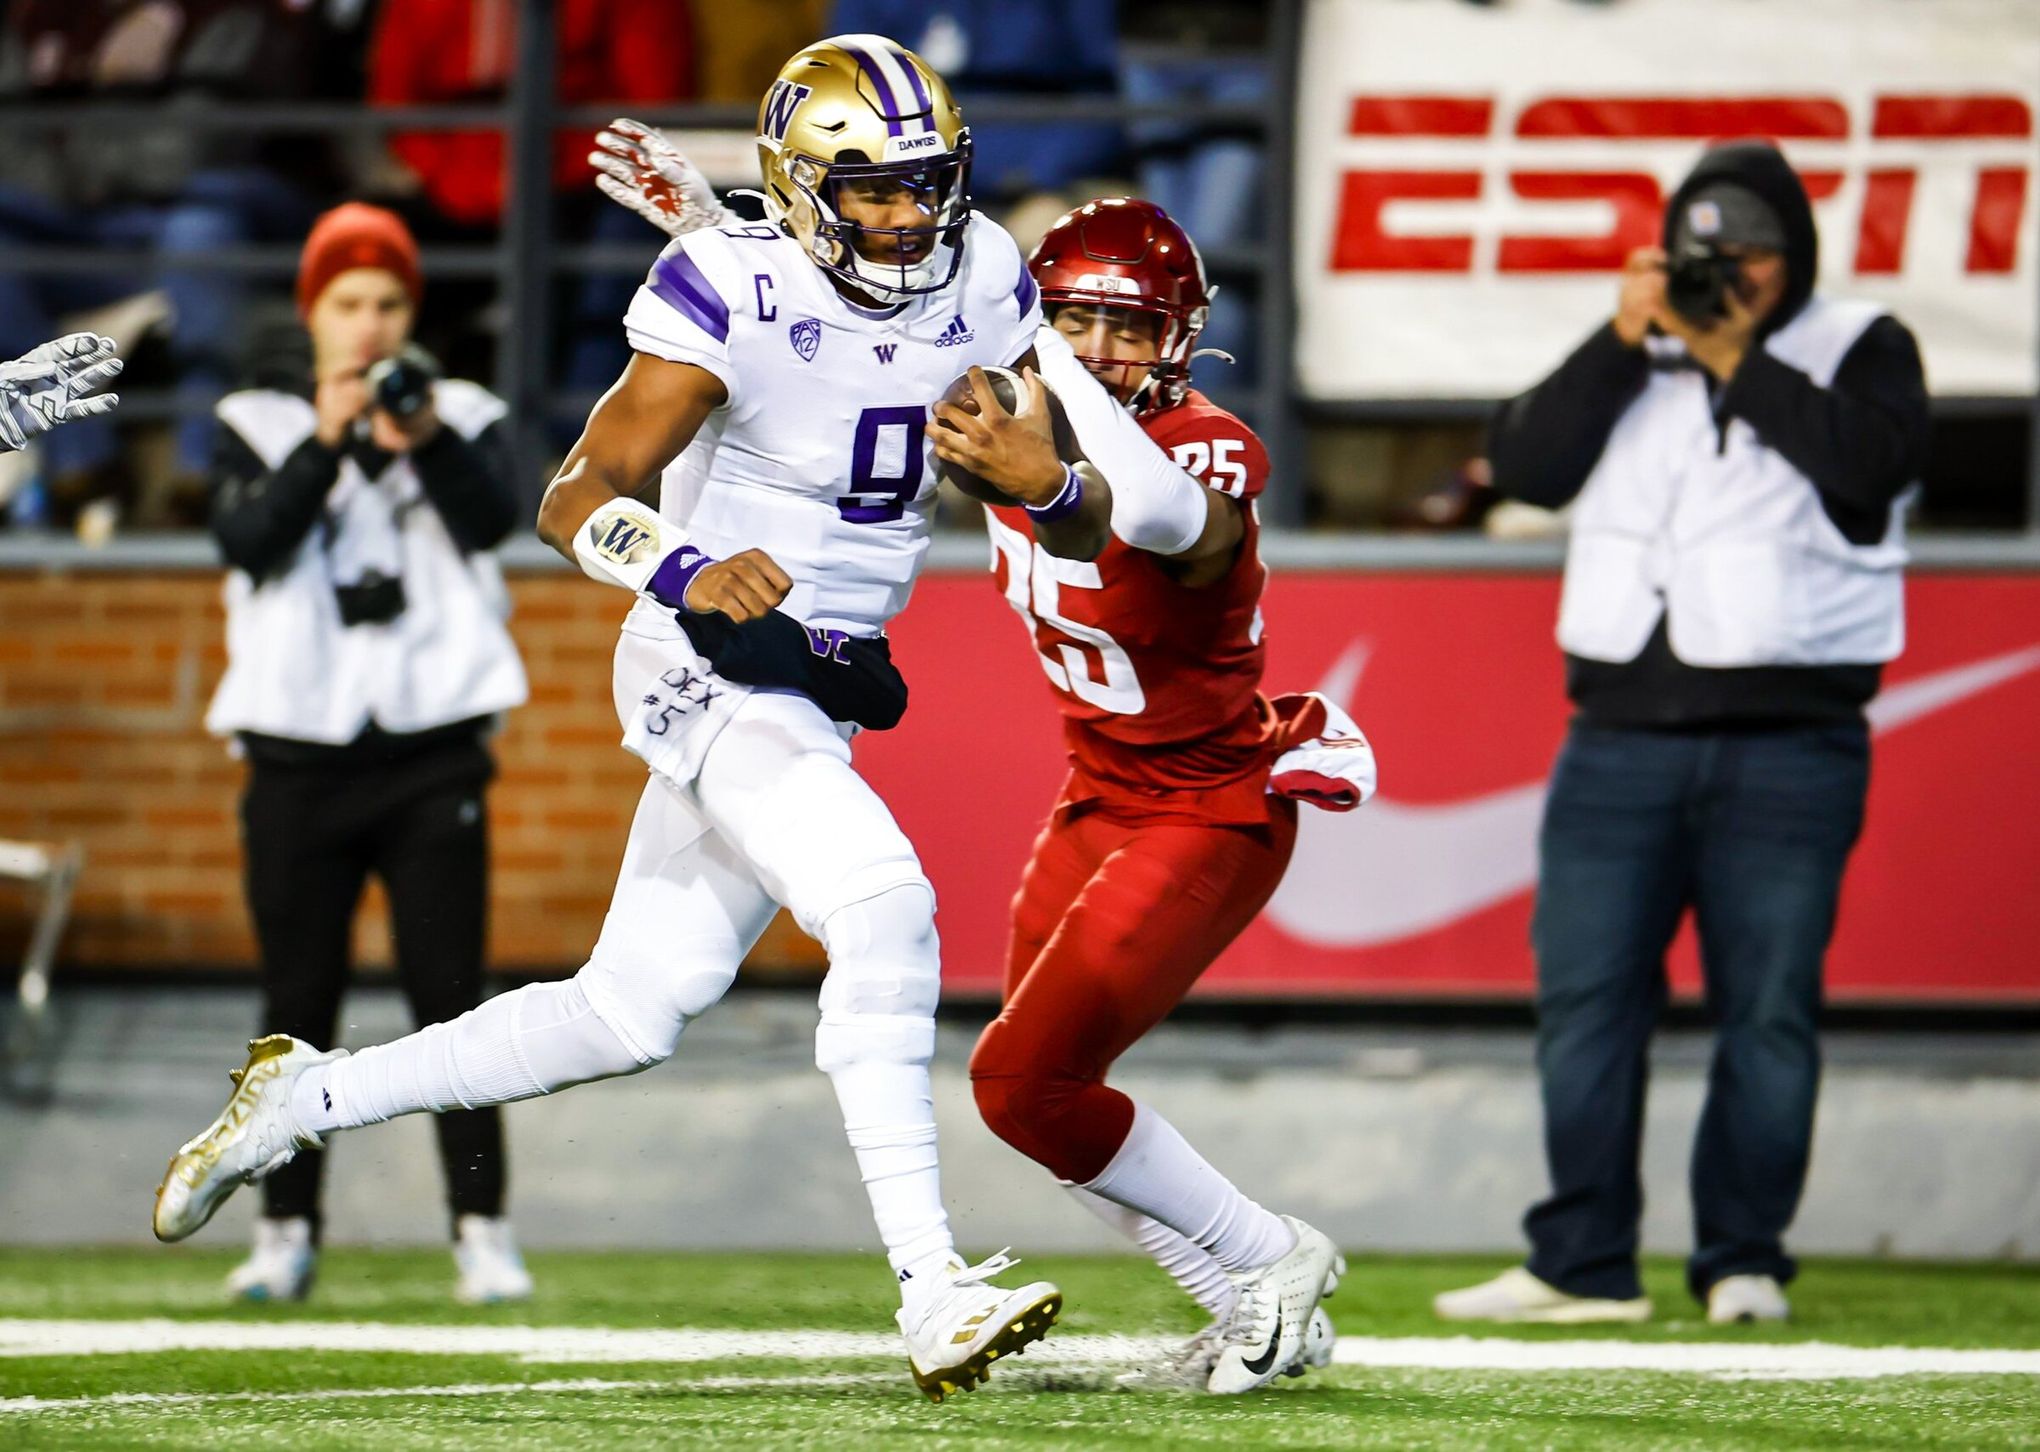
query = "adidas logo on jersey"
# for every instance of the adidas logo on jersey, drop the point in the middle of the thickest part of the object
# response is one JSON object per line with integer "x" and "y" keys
{"x": 957, "y": 332}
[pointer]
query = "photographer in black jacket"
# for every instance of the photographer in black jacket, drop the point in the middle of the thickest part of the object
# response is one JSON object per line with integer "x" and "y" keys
{"x": 1736, "y": 448}
{"x": 367, "y": 663}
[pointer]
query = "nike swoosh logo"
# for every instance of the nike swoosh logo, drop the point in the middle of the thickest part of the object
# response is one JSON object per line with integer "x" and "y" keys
{"x": 1259, "y": 1365}
{"x": 1390, "y": 871}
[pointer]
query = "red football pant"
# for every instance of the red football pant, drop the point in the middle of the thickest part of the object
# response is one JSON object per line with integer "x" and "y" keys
{"x": 1115, "y": 919}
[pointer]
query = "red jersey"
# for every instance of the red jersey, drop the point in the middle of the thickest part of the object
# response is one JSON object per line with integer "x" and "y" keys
{"x": 1159, "y": 683}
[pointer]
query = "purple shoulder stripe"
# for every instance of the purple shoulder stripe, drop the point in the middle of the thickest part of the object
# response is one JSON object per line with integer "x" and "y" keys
{"x": 1025, "y": 292}
{"x": 680, "y": 283}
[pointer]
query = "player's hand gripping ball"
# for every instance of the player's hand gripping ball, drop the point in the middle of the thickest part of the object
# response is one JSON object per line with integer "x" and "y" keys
{"x": 1008, "y": 454}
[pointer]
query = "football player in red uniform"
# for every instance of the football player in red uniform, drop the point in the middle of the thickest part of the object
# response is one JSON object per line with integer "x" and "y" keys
{"x": 1175, "y": 824}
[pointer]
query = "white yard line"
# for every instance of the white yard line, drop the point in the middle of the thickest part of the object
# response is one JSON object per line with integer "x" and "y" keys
{"x": 458, "y": 1389}
{"x": 566, "y": 1345}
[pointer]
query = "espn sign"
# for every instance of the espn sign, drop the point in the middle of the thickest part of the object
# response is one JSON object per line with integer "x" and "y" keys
{"x": 1470, "y": 178}
{"x": 1634, "y": 200}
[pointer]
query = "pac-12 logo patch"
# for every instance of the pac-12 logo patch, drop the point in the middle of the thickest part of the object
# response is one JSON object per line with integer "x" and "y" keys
{"x": 806, "y": 336}
{"x": 623, "y": 538}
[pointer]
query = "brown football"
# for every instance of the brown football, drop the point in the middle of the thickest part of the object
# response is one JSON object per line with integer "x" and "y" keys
{"x": 1008, "y": 388}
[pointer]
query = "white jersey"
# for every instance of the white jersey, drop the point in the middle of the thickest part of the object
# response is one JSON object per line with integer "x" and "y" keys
{"x": 819, "y": 457}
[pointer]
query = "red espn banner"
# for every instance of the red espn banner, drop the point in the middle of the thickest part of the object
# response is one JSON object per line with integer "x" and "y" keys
{"x": 1425, "y": 892}
{"x": 1470, "y": 178}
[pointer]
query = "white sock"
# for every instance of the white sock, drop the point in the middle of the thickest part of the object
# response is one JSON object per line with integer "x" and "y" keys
{"x": 889, "y": 1116}
{"x": 1157, "y": 1173}
{"x": 875, "y": 1039}
{"x": 518, "y": 1045}
{"x": 1190, "y": 1264}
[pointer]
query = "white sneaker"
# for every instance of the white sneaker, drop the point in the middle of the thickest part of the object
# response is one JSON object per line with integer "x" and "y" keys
{"x": 281, "y": 1266}
{"x": 1516, "y": 1295}
{"x": 969, "y": 1324}
{"x": 1265, "y": 1332}
{"x": 254, "y": 1135}
{"x": 490, "y": 1268}
{"x": 1735, "y": 1299}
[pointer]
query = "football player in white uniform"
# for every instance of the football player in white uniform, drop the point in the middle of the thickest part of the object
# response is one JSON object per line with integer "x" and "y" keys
{"x": 789, "y": 368}
{"x": 1259, "y": 1274}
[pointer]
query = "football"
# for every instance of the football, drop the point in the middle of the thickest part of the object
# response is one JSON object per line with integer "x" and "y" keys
{"x": 1011, "y": 392}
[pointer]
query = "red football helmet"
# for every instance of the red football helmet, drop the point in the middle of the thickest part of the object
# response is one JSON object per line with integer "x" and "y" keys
{"x": 1119, "y": 252}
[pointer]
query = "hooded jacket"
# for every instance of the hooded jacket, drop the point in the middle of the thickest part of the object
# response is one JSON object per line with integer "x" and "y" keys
{"x": 1853, "y": 430}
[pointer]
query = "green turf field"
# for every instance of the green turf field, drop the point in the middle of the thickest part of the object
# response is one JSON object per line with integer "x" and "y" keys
{"x": 647, "y": 1350}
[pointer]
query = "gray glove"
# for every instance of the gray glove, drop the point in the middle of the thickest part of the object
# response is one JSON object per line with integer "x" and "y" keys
{"x": 47, "y": 386}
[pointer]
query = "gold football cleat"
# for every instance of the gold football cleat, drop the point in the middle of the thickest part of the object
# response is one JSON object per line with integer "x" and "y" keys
{"x": 253, "y": 1135}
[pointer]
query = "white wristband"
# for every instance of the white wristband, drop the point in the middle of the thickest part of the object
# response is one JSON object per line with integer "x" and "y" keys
{"x": 624, "y": 541}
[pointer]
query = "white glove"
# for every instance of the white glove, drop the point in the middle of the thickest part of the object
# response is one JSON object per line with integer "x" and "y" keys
{"x": 46, "y": 386}
{"x": 645, "y": 172}
{"x": 1334, "y": 770}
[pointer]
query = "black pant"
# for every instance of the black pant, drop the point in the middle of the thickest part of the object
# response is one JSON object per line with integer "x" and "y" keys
{"x": 1751, "y": 829}
{"x": 312, "y": 835}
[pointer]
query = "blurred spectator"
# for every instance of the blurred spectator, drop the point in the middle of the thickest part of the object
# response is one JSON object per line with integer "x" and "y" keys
{"x": 1206, "y": 176}
{"x": 357, "y": 505}
{"x": 1736, "y": 448}
{"x": 454, "y": 51}
{"x": 1048, "y": 47}
{"x": 181, "y": 193}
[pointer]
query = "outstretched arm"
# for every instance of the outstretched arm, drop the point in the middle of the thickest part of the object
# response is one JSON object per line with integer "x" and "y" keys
{"x": 590, "y": 514}
{"x": 1155, "y": 505}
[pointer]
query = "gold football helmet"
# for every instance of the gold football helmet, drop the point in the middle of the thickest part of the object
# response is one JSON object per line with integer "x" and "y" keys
{"x": 862, "y": 111}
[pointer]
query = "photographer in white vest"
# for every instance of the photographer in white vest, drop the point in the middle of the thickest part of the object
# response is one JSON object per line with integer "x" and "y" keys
{"x": 1737, "y": 449}
{"x": 367, "y": 664}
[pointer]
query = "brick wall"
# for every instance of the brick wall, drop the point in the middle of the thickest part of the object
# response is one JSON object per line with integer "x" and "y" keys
{"x": 104, "y": 681}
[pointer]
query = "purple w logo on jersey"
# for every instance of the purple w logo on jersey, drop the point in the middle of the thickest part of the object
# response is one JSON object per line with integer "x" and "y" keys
{"x": 884, "y": 351}
{"x": 806, "y": 336}
{"x": 784, "y": 100}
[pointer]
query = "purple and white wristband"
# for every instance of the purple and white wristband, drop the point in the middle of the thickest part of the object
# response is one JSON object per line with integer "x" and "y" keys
{"x": 1064, "y": 504}
{"x": 669, "y": 582}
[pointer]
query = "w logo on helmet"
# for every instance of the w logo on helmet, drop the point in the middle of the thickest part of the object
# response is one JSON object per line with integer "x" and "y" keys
{"x": 780, "y": 103}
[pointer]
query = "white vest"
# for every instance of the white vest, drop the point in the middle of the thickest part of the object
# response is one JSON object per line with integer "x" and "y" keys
{"x": 1731, "y": 541}
{"x": 294, "y": 671}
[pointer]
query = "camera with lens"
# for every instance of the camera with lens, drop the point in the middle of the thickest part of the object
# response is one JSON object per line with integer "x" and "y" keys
{"x": 401, "y": 384}
{"x": 1697, "y": 280}
{"x": 374, "y": 599}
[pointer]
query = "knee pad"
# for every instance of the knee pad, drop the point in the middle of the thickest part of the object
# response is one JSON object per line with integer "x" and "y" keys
{"x": 650, "y": 1006}
{"x": 885, "y": 978}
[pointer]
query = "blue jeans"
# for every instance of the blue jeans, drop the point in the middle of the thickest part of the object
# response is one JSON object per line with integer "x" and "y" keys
{"x": 1751, "y": 829}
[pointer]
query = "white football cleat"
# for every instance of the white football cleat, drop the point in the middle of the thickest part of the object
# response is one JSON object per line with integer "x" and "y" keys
{"x": 1734, "y": 1299}
{"x": 1265, "y": 1332}
{"x": 490, "y": 1268}
{"x": 1517, "y": 1295}
{"x": 1320, "y": 1338}
{"x": 968, "y": 1324}
{"x": 254, "y": 1135}
{"x": 282, "y": 1264}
